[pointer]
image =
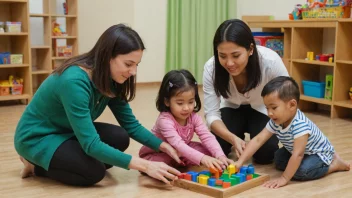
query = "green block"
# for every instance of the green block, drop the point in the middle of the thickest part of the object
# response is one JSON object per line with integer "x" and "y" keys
{"x": 225, "y": 176}
{"x": 236, "y": 179}
{"x": 255, "y": 175}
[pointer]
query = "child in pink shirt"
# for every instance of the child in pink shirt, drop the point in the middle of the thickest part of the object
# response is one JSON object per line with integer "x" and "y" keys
{"x": 178, "y": 103}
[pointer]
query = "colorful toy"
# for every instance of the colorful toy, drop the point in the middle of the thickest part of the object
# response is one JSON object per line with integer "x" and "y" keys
{"x": 56, "y": 29}
{"x": 218, "y": 183}
{"x": 328, "y": 86}
{"x": 13, "y": 86}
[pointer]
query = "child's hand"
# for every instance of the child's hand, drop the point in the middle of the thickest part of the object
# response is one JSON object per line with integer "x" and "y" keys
{"x": 211, "y": 162}
{"x": 226, "y": 161}
{"x": 276, "y": 183}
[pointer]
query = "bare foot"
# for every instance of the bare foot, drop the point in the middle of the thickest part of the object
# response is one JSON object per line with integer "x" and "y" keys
{"x": 338, "y": 164}
{"x": 28, "y": 169}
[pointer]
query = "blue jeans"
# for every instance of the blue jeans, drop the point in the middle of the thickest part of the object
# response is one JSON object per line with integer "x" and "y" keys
{"x": 311, "y": 167}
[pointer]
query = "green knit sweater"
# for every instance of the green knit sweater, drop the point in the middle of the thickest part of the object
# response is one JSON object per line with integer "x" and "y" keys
{"x": 65, "y": 106}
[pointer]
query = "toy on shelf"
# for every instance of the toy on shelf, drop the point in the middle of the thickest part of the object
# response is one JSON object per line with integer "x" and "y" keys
{"x": 5, "y": 58}
{"x": 16, "y": 58}
{"x": 221, "y": 183}
{"x": 326, "y": 9}
{"x": 57, "y": 31}
{"x": 2, "y": 27}
{"x": 350, "y": 93}
{"x": 64, "y": 51}
{"x": 12, "y": 86}
{"x": 320, "y": 57}
{"x": 13, "y": 27}
{"x": 328, "y": 86}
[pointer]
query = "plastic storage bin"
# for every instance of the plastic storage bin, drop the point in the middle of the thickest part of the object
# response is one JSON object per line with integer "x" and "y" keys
{"x": 313, "y": 89}
{"x": 272, "y": 40}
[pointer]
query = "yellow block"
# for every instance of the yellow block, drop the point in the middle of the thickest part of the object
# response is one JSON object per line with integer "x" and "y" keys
{"x": 203, "y": 179}
{"x": 231, "y": 169}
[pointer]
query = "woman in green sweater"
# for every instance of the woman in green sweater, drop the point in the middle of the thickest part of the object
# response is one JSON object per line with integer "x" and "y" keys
{"x": 57, "y": 137}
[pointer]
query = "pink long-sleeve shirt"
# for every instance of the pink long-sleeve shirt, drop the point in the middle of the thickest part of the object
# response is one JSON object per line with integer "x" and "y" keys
{"x": 178, "y": 136}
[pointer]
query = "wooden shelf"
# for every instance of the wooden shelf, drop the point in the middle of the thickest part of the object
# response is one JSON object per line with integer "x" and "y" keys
{"x": 13, "y": 1}
{"x": 39, "y": 15}
{"x": 68, "y": 16}
{"x": 36, "y": 72}
{"x": 60, "y": 58}
{"x": 14, "y": 34}
{"x": 13, "y": 65}
{"x": 41, "y": 47}
{"x": 344, "y": 62}
{"x": 64, "y": 37}
{"x": 316, "y": 100}
{"x": 345, "y": 103}
{"x": 15, "y": 97}
{"x": 313, "y": 62}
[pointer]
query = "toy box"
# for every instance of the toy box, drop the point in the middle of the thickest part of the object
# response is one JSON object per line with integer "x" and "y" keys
{"x": 16, "y": 58}
{"x": 5, "y": 58}
{"x": 14, "y": 27}
{"x": 313, "y": 89}
{"x": 272, "y": 40}
{"x": 64, "y": 51}
{"x": 327, "y": 12}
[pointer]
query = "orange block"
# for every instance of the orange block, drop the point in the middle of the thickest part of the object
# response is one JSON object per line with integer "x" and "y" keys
{"x": 182, "y": 176}
{"x": 226, "y": 184}
{"x": 218, "y": 182}
{"x": 215, "y": 172}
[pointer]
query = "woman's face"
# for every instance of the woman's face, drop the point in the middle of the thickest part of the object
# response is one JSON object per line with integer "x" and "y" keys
{"x": 125, "y": 65}
{"x": 233, "y": 57}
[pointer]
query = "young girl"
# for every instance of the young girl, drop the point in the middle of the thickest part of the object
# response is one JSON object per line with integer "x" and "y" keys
{"x": 178, "y": 101}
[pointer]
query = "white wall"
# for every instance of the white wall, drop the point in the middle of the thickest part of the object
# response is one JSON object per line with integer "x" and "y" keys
{"x": 278, "y": 8}
{"x": 150, "y": 23}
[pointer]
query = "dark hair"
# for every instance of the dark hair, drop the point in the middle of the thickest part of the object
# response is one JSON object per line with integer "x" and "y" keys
{"x": 176, "y": 82}
{"x": 286, "y": 87}
{"x": 116, "y": 40}
{"x": 238, "y": 32}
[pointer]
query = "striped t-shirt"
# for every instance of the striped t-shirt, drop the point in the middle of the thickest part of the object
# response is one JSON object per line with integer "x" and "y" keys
{"x": 301, "y": 125}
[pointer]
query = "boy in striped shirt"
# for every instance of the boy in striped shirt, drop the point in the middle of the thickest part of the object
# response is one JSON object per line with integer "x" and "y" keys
{"x": 306, "y": 153}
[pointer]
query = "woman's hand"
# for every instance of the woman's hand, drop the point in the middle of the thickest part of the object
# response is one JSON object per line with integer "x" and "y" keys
{"x": 239, "y": 145}
{"x": 211, "y": 162}
{"x": 161, "y": 171}
{"x": 168, "y": 149}
{"x": 226, "y": 161}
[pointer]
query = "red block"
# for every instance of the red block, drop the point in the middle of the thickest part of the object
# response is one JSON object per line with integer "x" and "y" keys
{"x": 188, "y": 177}
{"x": 182, "y": 176}
{"x": 249, "y": 177}
{"x": 218, "y": 182}
{"x": 226, "y": 184}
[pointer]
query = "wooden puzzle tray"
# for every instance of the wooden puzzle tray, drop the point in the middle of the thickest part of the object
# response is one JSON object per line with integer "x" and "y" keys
{"x": 221, "y": 192}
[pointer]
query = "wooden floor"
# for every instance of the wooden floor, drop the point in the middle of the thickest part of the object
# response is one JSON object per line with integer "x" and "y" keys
{"x": 122, "y": 183}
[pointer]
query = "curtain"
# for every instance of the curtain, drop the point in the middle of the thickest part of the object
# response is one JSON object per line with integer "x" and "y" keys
{"x": 191, "y": 25}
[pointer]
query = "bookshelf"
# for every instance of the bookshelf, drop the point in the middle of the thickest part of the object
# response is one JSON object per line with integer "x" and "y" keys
{"x": 16, "y": 43}
{"x": 44, "y": 58}
{"x": 302, "y": 36}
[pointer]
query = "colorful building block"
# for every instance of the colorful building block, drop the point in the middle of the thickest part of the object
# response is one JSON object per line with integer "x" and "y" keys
{"x": 236, "y": 179}
{"x": 243, "y": 170}
{"x": 215, "y": 173}
{"x": 194, "y": 175}
{"x": 249, "y": 177}
{"x": 211, "y": 182}
{"x": 231, "y": 169}
{"x": 203, "y": 179}
{"x": 188, "y": 177}
{"x": 226, "y": 184}
{"x": 205, "y": 173}
{"x": 218, "y": 182}
{"x": 242, "y": 177}
{"x": 250, "y": 170}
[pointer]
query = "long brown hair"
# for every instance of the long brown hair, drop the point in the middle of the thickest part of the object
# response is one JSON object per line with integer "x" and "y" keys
{"x": 116, "y": 40}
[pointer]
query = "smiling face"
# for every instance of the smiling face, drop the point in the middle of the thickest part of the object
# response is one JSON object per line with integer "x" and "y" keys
{"x": 279, "y": 111}
{"x": 182, "y": 105}
{"x": 233, "y": 57}
{"x": 125, "y": 65}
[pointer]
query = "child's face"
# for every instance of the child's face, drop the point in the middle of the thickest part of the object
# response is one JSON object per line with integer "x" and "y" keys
{"x": 125, "y": 65}
{"x": 279, "y": 111}
{"x": 182, "y": 105}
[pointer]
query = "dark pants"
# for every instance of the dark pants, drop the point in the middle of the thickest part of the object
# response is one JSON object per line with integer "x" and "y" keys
{"x": 311, "y": 167}
{"x": 245, "y": 119}
{"x": 71, "y": 165}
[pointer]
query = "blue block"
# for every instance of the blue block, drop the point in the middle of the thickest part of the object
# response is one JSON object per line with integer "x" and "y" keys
{"x": 242, "y": 177}
{"x": 243, "y": 170}
{"x": 194, "y": 175}
{"x": 211, "y": 182}
{"x": 250, "y": 170}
